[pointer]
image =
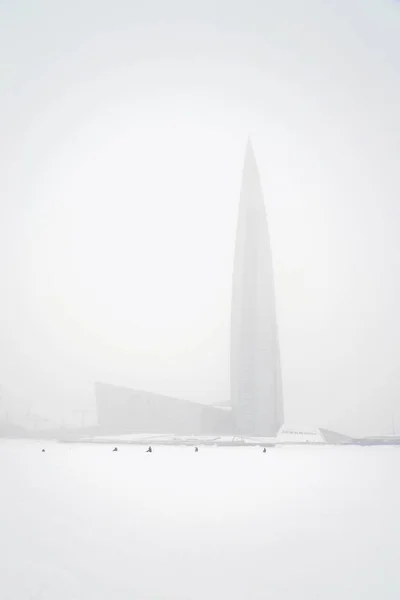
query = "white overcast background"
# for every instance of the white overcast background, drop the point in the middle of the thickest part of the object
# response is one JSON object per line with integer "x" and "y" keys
{"x": 123, "y": 127}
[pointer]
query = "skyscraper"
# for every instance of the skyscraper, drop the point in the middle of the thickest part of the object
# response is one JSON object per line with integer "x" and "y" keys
{"x": 256, "y": 380}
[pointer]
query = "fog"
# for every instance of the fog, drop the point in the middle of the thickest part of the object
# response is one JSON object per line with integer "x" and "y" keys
{"x": 122, "y": 135}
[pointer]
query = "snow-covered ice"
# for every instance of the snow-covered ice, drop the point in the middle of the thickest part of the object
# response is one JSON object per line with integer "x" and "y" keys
{"x": 80, "y": 522}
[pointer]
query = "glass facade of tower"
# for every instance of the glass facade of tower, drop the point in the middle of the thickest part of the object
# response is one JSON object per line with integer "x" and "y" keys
{"x": 256, "y": 381}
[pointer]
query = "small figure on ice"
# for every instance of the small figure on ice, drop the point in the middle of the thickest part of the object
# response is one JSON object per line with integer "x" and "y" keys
{"x": 196, "y": 449}
{"x": 264, "y": 450}
{"x": 115, "y": 449}
{"x": 149, "y": 449}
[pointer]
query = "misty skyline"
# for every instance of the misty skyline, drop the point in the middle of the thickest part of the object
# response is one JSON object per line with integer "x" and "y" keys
{"x": 122, "y": 137}
{"x": 255, "y": 372}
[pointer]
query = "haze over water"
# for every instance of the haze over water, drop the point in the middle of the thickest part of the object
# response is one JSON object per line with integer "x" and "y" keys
{"x": 123, "y": 130}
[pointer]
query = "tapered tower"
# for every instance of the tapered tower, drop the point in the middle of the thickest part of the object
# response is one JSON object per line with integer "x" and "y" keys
{"x": 256, "y": 380}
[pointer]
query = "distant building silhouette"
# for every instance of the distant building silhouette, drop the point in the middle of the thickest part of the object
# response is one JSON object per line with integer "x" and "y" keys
{"x": 256, "y": 380}
{"x": 256, "y": 386}
{"x": 124, "y": 410}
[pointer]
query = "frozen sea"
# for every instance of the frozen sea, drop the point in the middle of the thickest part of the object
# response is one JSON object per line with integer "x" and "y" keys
{"x": 80, "y": 522}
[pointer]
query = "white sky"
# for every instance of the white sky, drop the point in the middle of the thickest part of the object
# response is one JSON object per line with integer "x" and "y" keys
{"x": 122, "y": 133}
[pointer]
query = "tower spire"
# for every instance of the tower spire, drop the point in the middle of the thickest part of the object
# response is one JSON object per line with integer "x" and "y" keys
{"x": 256, "y": 390}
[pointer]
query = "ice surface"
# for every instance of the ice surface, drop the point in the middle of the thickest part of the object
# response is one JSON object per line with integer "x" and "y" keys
{"x": 80, "y": 522}
{"x": 170, "y": 438}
